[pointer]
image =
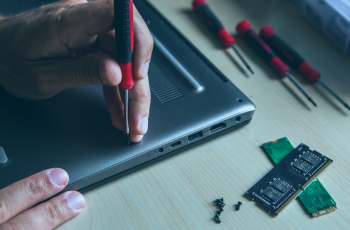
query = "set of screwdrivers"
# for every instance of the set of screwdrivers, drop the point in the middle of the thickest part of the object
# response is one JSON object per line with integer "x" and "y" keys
{"x": 261, "y": 45}
{"x": 218, "y": 29}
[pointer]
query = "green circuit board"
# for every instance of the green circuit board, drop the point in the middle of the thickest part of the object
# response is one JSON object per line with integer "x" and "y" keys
{"x": 315, "y": 197}
{"x": 278, "y": 149}
{"x": 317, "y": 200}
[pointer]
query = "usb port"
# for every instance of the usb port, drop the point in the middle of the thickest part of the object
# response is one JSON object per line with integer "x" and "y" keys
{"x": 217, "y": 127}
{"x": 176, "y": 144}
{"x": 195, "y": 136}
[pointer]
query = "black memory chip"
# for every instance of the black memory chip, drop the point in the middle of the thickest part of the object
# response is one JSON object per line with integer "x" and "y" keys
{"x": 302, "y": 166}
{"x": 310, "y": 158}
{"x": 272, "y": 194}
{"x": 280, "y": 186}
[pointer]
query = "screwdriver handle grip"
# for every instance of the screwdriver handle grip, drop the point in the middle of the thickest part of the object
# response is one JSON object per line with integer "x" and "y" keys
{"x": 124, "y": 37}
{"x": 283, "y": 49}
{"x": 244, "y": 30}
{"x": 216, "y": 26}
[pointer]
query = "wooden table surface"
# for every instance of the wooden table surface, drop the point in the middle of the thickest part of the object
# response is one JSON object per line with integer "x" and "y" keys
{"x": 177, "y": 193}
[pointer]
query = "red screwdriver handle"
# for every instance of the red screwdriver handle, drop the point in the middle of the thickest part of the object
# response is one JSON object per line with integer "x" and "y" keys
{"x": 214, "y": 23}
{"x": 283, "y": 49}
{"x": 124, "y": 37}
{"x": 244, "y": 29}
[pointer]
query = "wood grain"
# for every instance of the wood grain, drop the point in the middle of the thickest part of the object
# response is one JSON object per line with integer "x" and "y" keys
{"x": 177, "y": 193}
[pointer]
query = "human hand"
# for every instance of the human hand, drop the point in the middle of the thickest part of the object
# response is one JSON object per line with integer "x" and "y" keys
{"x": 18, "y": 199}
{"x": 72, "y": 43}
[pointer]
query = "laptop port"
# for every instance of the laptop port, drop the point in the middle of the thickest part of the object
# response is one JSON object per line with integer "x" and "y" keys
{"x": 217, "y": 127}
{"x": 195, "y": 136}
{"x": 176, "y": 144}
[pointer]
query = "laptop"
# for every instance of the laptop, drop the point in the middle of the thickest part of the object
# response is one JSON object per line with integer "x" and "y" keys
{"x": 192, "y": 102}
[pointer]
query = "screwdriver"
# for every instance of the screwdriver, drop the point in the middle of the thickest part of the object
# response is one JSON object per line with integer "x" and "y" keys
{"x": 226, "y": 39}
{"x": 124, "y": 37}
{"x": 244, "y": 29}
{"x": 282, "y": 48}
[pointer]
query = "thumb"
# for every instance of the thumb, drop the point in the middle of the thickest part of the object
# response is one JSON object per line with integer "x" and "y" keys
{"x": 91, "y": 69}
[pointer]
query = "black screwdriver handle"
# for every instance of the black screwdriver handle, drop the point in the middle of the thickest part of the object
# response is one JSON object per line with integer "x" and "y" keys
{"x": 244, "y": 29}
{"x": 124, "y": 37}
{"x": 283, "y": 49}
{"x": 216, "y": 26}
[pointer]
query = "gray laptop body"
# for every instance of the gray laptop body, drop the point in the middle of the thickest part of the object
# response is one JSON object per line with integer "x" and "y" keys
{"x": 192, "y": 102}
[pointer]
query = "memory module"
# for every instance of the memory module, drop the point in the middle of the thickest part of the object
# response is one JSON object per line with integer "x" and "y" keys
{"x": 288, "y": 179}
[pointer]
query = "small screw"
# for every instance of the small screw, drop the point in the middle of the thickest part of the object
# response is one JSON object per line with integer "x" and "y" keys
{"x": 217, "y": 218}
{"x": 239, "y": 204}
{"x": 219, "y": 200}
{"x": 220, "y": 211}
{"x": 221, "y": 204}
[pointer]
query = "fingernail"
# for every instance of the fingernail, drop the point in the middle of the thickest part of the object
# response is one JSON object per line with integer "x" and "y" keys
{"x": 144, "y": 70}
{"x": 104, "y": 75}
{"x": 58, "y": 177}
{"x": 75, "y": 200}
{"x": 144, "y": 125}
{"x": 138, "y": 138}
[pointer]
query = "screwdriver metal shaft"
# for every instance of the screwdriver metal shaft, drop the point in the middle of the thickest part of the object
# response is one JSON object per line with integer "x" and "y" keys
{"x": 300, "y": 88}
{"x": 126, "y": 115}
{"x": 333, "y": 93}
{"x": 242, "y": 59}
{"x": 218, "y": 29}
{"x": 124, "y": 37}
{"x": 286, "y": 51}
{"x": 244, "y": 30}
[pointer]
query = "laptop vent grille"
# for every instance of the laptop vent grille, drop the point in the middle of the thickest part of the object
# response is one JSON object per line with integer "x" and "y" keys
{"x": 161, "y": 86}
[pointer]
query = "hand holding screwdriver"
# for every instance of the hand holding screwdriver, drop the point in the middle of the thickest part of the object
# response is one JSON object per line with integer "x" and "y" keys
{"x": 134, "y": 68}
{"x": 226, "y": 39}
{"x": 124, "y": 37}
{"x": 87, "y": 57}
{"x": 244, "y": 29}
{"x": 280, "y": 46}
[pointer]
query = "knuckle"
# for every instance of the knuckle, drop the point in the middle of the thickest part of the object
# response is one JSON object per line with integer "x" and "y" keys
{"x": 7, "y": 226}
{"x": 35, "y": 188}
{"x": 110, "y": 6}
{"x": 59, "y": 18}
{"x": 54, "y": 212}
{"x": 145, "y": 95}
{"x": 86, "y": 72}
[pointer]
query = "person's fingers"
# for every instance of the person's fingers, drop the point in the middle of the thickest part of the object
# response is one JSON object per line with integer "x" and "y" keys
{"x": 143, "y": 47}
{"x": 139, "y": 95}
{"x": 140, "y": 100}
{"x": 115, "y": 106}
{"x": 79, "y": 24}
{"x": 106, "y": 43}
{"x": 142, "y": 50}
{"x": 91, "y": 69}
{"x": 50, "y": 214}
{"x": 23, "y": 194}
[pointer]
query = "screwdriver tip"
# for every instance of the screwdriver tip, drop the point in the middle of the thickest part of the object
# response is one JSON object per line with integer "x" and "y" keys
{"x": 347, "y": 106}
{"x": 251, "y": 71}
{"x": 312, "y": 102}
{"x": 128, "y": 139}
